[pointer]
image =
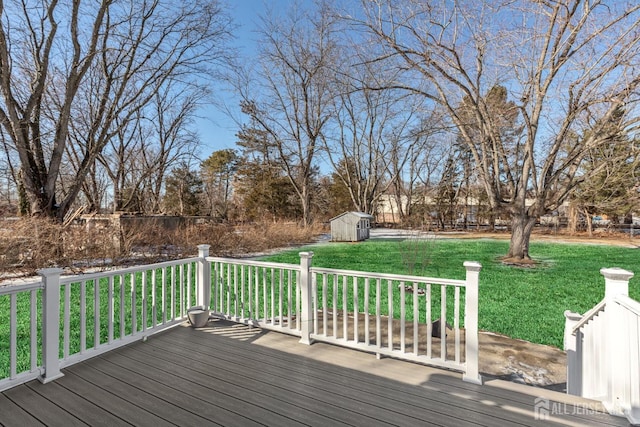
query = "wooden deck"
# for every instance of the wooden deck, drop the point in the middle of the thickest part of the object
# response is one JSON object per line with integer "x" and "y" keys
{"x": 231, "y": 375}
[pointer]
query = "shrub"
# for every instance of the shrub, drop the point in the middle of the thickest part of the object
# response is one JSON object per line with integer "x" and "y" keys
{"x": 29, "y": 244}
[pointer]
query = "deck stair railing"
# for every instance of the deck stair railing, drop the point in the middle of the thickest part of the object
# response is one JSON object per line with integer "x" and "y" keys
{"x": 603, "y": 349}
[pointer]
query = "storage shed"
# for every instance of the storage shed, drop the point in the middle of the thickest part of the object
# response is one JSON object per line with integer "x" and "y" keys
{"x": 350, "y": 227}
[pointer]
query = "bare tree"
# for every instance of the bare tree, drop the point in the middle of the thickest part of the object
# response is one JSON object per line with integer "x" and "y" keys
{"x": 613, "y": 190}
{"x": 370, "y": 135}
{"x": 47, "y": 62}
{"x": 153, "y": 141}
{"x": 566, "y": 66}
{"x": 424, "y": 152}
{"x": 290, "y": 95}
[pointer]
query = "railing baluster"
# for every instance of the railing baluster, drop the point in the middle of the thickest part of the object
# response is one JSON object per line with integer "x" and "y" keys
{"x": 403, "y": 317}
{"x": 164, "y": 295}
{"x": 134, "y": 305}
{"x": 428, "y": 319}
{"x": 456, "y": 323}
{"x": 298, "y": 302}
{"x": 345, "y": 313}
{"x": 235, "y": 291}
{"x": 324, "y": 304}
{"x": 355, "y": 308}
{"x": 111, "y": 313}
{"x": 83, "y": 316}
{"x": 264, "y": 294}
{"x": 154, "y": 301}
{"x": 335, "y": 306}
{"x": 272, "y": 286}
{"x": 13, "y": 335}
{"x": 314, "y": 306}
{"x": 443, "y": 322}
{"x": 280, "y": 296}
{"x": 122, "y": 306}
{"x": 378, "y": 314}
{"x": 289, "y": 298}
{"x": 66, "y": 333}
{"x": 366, "y": 311}
{"x": 229, "y": 290}
{"x": 256, "y": 279}
{"x": 250, "y": 280}
{"x": 242, "y": 300}
{"x": 33, "y": 320}
{"x": 390, "y": 309}
{"x": 96, "y": 313}
{"x": 183, "y": 307}
{"x": 144, "y": 301}
{"x": 190, "y": 294}
{"x": 416, "y": 318}
{"x": 173, "y": 292}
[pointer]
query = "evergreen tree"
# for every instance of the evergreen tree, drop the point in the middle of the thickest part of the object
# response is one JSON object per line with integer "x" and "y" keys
{"x": 183, "y": 192}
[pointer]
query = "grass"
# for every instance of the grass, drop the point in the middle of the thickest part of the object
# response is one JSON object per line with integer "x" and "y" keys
{"x": 524, "y": 303}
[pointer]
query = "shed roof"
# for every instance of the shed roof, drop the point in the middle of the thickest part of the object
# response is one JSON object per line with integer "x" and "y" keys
{"x": 354, "y": 213}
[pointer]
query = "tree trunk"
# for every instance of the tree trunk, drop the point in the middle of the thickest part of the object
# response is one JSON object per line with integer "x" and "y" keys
{"x": 521, "y": 228}
{"x": 573, "y": 219}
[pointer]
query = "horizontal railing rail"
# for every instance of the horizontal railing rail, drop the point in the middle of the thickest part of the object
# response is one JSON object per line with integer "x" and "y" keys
{"x": 589, "y": 316}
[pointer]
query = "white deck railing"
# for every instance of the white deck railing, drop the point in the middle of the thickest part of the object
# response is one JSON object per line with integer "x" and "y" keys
{"x": 59, "y": 321}
{"x": 356, "y": 309}
{"x": 263, "y": 294}
{"x": 603, "y": 349}
{"x": 20, "y": 305}
{"x": 326, "y": 305}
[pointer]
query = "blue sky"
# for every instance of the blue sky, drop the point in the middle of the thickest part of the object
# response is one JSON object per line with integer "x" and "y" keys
{"x": 217, "y": 131}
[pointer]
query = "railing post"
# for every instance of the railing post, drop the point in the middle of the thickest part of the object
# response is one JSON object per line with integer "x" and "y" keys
{"x": 573, "y": 347}
{"x": 616, "y": 281}
{"x": 203, "y": 294}
{"x": 472, "y": 373}
{"x": 306, "y": 294}
{"x": 50, "y": 324}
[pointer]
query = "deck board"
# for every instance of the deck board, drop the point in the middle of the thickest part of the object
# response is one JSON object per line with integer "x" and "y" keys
{"x": 41, "y": 408}
{"x": 229, "y": 374}
{"x": 334, "y": 386}
{"x": 12, "y": 414}
{"x": 289, "y": 387}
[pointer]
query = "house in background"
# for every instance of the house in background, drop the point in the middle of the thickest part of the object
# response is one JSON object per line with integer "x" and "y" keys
{"x": 350, "y": 227}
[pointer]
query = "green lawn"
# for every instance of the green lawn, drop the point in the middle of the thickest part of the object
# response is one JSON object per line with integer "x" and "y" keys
{"x": 525, "y": 303}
